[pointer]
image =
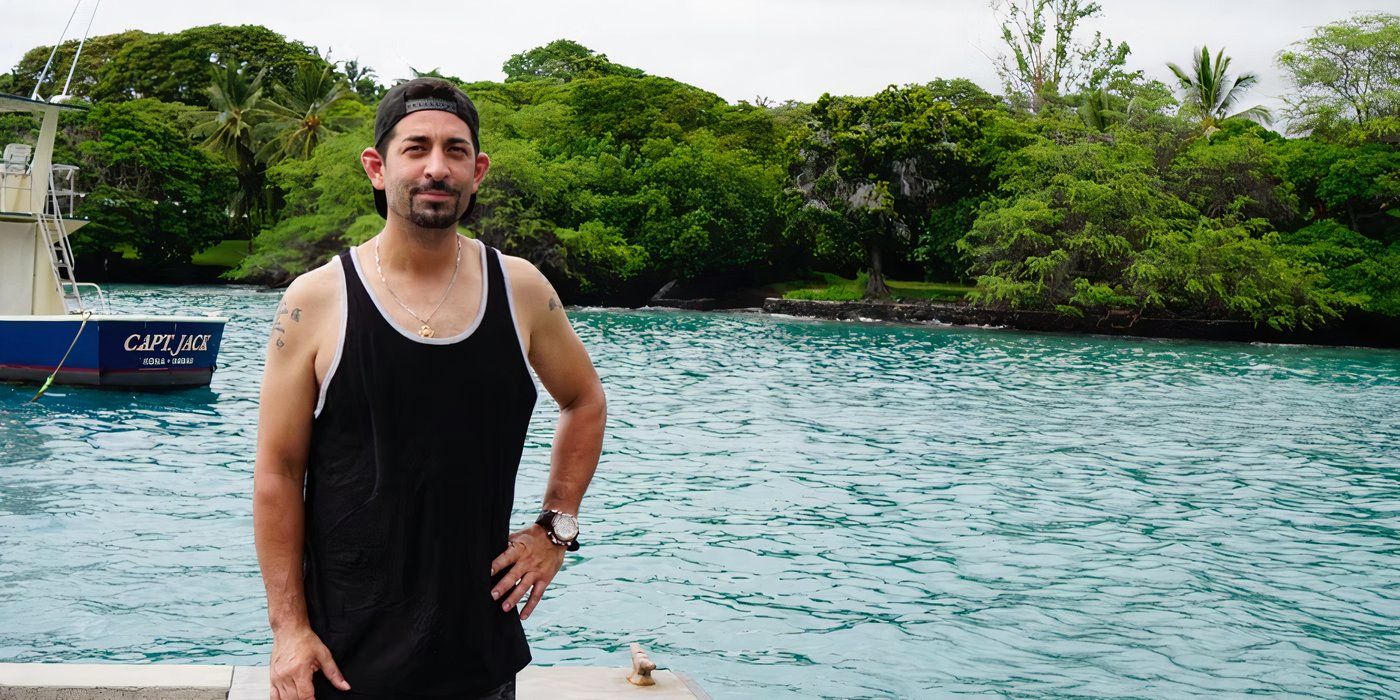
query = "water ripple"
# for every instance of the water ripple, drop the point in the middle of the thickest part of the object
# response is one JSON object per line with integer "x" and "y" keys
{"x": 791, "y": 508}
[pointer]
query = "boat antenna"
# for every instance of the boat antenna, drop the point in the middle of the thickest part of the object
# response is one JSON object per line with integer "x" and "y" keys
{"x": 45, "y": 72}
{"x": 80, "y": 48}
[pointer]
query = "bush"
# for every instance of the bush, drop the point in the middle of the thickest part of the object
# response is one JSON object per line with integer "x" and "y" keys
{"x": 599, "y": 259}
{"x": 1223, "y": 271}
{"x": 1352, "y": 263}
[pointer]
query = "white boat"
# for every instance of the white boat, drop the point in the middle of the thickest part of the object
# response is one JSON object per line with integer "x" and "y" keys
{"x": 51, "y": 325}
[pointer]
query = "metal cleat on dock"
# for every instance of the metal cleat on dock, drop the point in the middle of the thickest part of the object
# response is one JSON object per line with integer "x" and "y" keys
{"x": 642, "y": 666}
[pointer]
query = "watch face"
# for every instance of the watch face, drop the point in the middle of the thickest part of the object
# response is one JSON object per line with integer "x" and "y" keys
{"x": 565, "y": 526}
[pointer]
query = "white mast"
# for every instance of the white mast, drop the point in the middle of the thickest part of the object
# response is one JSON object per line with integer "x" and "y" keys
{"x": 80, "y": 48}
{"x": 45, "y": 72}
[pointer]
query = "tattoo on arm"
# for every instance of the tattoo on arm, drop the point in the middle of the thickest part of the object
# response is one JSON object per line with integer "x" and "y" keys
{"x": 277, "y": 321}
{"x": 554, "y": 304}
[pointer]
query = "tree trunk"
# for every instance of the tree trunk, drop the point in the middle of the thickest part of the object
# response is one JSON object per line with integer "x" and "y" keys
{"x": 245, "y": 222}
{"x": 1037, "y": 95}
{"x": 876, "y": 288}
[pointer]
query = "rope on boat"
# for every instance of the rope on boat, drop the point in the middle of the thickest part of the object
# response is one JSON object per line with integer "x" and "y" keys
{"x": 49, "y": 382}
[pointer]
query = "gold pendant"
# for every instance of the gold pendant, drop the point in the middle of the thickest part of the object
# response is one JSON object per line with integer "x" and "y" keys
{"x": 425, "y": 331}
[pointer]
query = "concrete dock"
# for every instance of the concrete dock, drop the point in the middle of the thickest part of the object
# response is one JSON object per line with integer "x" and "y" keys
{"x": 61, "y": 681}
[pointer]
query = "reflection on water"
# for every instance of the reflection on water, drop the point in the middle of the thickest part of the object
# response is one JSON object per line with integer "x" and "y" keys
{"x": 798, "y": 508}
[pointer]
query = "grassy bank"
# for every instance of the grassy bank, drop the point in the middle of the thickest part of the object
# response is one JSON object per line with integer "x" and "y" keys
{"x": 225, "y": 253}
{"x": 829, "y": 287}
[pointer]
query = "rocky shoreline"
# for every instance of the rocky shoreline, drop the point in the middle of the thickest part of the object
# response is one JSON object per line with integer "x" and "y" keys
{"x": 1356, "y": 329}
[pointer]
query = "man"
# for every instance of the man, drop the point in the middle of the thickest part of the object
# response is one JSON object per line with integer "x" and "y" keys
{"x": 398, "y": 393}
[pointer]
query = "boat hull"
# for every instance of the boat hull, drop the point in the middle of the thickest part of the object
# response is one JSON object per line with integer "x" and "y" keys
{"x": 115, "y": 351}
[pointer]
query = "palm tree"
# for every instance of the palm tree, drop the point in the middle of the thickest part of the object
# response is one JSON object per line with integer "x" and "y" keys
{"x": 236, "y": 106}
{"x": 361, "y": 79}
{"x": 300, "y": 116}
{"x": 1209, "y": 91}
{"x": 1098, "y": 110}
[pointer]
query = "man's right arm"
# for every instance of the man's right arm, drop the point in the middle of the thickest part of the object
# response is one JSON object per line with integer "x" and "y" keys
{"x": 287, "y": 400}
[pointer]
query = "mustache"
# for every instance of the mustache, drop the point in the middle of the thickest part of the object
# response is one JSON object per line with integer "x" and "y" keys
{"x": 435, "y": 186}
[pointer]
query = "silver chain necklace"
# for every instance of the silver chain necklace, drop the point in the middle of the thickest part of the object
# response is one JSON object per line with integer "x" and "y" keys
{"x": 425, "y": 331}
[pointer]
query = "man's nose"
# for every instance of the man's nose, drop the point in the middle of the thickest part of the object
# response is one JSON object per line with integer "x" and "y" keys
{"x": 436, "y": 168}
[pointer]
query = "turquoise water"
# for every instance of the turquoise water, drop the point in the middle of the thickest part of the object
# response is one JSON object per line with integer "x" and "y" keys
{"x": 793, "y": 508}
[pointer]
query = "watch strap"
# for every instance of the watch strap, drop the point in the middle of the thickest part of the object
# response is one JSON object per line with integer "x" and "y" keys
{"x": 546, "y": 521}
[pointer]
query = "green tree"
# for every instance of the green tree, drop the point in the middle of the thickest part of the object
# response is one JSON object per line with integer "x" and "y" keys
{"x": 635, "y": 109}
{"x": 1099, "y": 110}
{"x": 300, "y": 116}
{"x": 1235, "y": 175}
{"x": 237, "y": 105}
{"x": 600, "y": 259}
{"x": 866, "y": 172}
{"x": 1046, "y": 58}
{"x": 1347, "y": 74}
{"x": 328, "y": 205}
{"x": 98, "y": 51}
{"x": 1143, "y": 221}
{"x": 751, "y": 128}
{"x": 175, "y": 67}
{"x": 1352, "y": 262}
{"x": 155, "y": 190}
{"x": 1127, "y": 100}
{"x": 563, "y": 60}
{"x": 1223, "y": 270}
{"x": 699, "y": 209}
{"x": 1209, "y": 92}
{"x": 1358, "y": 186}
{"x": 529, "y": 197}
{"x": 1066, "y": 224}
{"x": 362, "y": 80}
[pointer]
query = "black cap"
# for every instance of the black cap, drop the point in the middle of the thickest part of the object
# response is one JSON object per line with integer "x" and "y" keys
{"x": 414, "y": 96}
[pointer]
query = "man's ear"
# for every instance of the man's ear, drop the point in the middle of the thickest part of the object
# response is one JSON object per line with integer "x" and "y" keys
{"x": 374, "y": 167}
{"x": 483, "y": 163}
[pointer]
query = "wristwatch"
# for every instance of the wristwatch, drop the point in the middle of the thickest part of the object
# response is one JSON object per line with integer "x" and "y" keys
{"x": 561, "y": 527}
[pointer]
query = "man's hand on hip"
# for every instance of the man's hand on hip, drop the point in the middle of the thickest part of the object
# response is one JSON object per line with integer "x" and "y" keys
{"x": 533, "y": 560}
{"x": 296, "y": 656}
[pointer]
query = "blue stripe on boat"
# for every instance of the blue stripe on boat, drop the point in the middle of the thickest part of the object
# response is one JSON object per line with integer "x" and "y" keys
{"x": 112, "y": 351}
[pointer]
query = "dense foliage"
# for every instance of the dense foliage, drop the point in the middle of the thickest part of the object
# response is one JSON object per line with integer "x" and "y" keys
{"x": 156, "y": 191}
{"x": 1085, "y": 189}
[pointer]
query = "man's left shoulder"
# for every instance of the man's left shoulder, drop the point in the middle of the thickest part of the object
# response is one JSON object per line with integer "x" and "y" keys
{"x": 524, "y": 276}
{"x": 529, "y": 288}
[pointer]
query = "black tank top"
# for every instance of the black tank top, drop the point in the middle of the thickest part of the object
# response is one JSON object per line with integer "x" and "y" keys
{"x": 409, "y": 489}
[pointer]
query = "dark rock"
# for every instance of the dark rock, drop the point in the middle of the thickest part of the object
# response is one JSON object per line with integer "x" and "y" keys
{"x": 702, "y": 304}
{"x": 665, "y": 290}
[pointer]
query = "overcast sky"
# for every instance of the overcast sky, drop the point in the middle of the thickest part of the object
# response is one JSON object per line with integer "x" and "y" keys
{"x": 779, "y": 49}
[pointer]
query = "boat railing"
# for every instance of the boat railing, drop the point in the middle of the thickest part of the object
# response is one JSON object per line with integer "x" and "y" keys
{"x": 16, "y": 183}
{"x": 62, "y": 180}
{"x": 81, "y": 306}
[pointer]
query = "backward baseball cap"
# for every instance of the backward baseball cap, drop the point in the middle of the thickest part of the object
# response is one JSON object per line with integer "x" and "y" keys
{"x": 414, "y": 96}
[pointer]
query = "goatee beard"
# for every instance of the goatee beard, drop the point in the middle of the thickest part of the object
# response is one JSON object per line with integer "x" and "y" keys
{"x": 441, "y": 215}
{"x": 435, "y": 218}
